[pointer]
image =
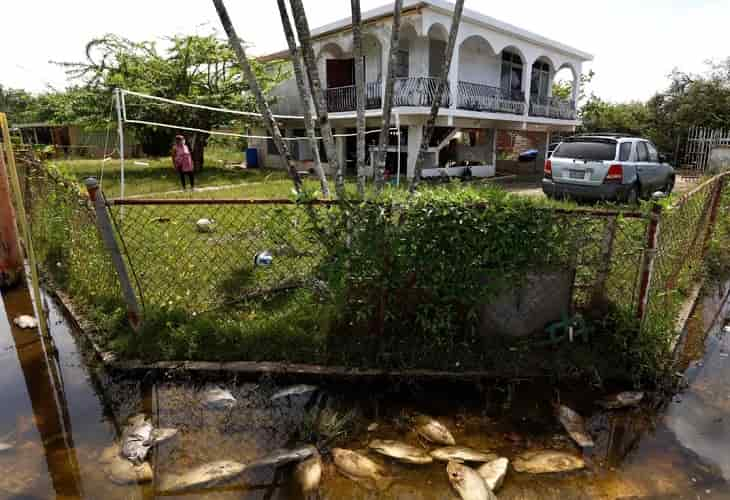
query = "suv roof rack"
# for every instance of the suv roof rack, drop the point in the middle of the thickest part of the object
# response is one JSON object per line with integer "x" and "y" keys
{"x": 605, "y": 134}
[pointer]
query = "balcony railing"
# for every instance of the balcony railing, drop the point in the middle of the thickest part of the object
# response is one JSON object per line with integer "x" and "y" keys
{"x": 344, "y": 99}
{"x": 419, "y": 91}
{"x": 478, "y": 97}
{"x": 553, "y": 107}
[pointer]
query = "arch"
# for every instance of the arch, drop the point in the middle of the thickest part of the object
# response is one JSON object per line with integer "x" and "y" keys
{"x": 568, "y": 66}
{"x": 515, "y": 50}
{"x": 373, "y": 53}
{"x": 547, "y": 60}
{"x": 332, "y": 49}
{"x": 438, "y": 31}
{"x": 478, "y": 63}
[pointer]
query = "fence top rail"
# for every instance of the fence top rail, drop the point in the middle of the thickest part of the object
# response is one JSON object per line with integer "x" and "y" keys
{"x": 329, "y": 203}
{"x": 685, "y": 197}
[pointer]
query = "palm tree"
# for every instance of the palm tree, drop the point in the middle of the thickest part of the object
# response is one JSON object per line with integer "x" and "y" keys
{"x": 305, "y": 96}
{"x": 388, "y": 97}
{"x": 255, "y": 88}
{"x": 438, "y": 98}
{"x": 320, "y": 104}
{"x": 357, "y": 53}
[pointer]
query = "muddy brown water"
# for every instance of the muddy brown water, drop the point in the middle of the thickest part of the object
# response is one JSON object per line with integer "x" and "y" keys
{"x": 60, "y": 410}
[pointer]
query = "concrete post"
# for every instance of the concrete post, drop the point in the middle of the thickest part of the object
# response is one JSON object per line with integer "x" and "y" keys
{"x": 11, "y": 260}
{"x": 415, "y": 137}
{"x": 527, "y": 85}
{"x": 106, "y": 231}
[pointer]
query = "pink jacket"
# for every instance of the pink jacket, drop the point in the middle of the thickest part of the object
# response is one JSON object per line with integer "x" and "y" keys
{"x": 182, "y": 158}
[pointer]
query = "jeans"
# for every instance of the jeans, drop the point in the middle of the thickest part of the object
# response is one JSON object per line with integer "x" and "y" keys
{"x": 190, "y": 176}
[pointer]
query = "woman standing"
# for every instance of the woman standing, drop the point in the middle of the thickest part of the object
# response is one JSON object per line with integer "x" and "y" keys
{"x": 183, "y": 162}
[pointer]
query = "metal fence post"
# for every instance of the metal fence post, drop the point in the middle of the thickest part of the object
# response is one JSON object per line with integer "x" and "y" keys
{"x": 598, "y": 297}
{"x": 106, "y": 231}
{"x": 714, "y": 209}
{"x": 647, "y": 265}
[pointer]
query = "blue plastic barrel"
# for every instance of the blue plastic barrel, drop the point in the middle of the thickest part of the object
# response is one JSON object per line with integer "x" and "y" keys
{"x": 252, "y": 158}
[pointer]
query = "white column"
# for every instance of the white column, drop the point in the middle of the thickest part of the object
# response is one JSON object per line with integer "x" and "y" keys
{"x": 527, "y": 84}
{"x": 454, "y": 77}
{"x": 340, "y": 145}
{"x": 415, "y": 137}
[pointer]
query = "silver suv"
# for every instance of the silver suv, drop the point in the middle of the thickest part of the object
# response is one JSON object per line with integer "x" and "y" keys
{"x": 607, "y": 167}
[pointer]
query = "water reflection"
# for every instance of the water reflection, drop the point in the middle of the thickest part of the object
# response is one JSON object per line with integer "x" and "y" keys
{"x": 64, "y": 411}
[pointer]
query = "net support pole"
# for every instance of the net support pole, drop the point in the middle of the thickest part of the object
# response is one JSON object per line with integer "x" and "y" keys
{"x": 647, "y": 264}
{"x": 106, "y": 231}
{"x": 397, "y": 127}
{"x": 120, "y": 131}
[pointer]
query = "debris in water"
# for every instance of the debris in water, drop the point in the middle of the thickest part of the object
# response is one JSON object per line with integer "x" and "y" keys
{"x": 137, "y": 441}
{"x": 219, "y": 399}
{"x": 622, "y": 400}
{"x": 468, "y": 483}
{"x": 373, "y": 427}
{"x": 6, "y": 447}
{"x": 26, "y": 322}
{"x": 401, "y": 451}
{"x": 122, "y": 472}
{"x": 462, "y": 454}
{"x": 494, "y": 473}
{"x": 433, "y": 431}
{"x": 546, "y": 462}
{"x": 263, "y": 259}
{"x": 295, "y": 390}
{"x": 207, "y": 475}
{"x": 360, "y": 468}
{"x": 283, "y": 457}
{"x": 575, "y": 426}
{"x": 726, "y": 329}
{"x": 309, "y": 474}
{"x": 162, "y": 435}
{"x": 205, "y": 225}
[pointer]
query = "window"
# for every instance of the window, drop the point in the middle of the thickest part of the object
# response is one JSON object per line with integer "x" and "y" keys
{"x": 436, "y": 55}
{"x": 402, "y": 63}
{"x": 511, "y": 73}
{"x": 653, "y": 153}
{"x": 540, "y": 87}
{"x": 589, "y": 150}
{"x": 625, "y": 153}
{"x": 642, "y": 152}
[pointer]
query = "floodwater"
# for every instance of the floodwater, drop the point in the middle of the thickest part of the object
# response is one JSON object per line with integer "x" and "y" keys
{"x": 60, "y": 411}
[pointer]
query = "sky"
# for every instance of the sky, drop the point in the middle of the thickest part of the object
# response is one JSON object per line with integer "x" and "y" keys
{"x": 636, "y": 43}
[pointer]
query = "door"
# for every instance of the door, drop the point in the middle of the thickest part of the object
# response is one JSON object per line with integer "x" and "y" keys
{"x": 660, "y": 171}
{"x": 340, "y": 73}
{"x": 645, "y": 169}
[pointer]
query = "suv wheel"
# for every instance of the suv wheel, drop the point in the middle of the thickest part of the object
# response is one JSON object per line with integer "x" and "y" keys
{"x": 669, "y": 187}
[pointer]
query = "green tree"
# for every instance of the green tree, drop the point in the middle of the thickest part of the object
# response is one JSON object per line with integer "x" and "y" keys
{"x": 194, "y": 69}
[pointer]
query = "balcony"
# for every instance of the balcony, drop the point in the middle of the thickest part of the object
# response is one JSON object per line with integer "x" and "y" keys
{"x": 344, "y": 99}
{"x": 477, "y": 97}
{"x": 407, "y": 92}
{"x": 553, "y": 107}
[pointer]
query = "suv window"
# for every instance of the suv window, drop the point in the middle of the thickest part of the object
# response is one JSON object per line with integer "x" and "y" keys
{"x": 653, "y": 153}
{"x": 625, "y": 151}
{"x": 590, "y": 150}
{"x": 642, "y": 153}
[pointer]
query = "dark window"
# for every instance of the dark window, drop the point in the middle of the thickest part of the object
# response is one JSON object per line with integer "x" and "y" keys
{"x": 587, "y": 150}
{"x": 402, "y": 64}
{"x": 625, "y": 153}
{"x": 437, "y": 54}
{"x": 642, "y": 153}
{"x": 511, "y": 72}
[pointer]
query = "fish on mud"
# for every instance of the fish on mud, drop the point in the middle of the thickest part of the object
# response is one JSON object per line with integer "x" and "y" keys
{"x": 6, "y": 447}
{"x": 575, "y": 426}
{"x": 162, "y": 435}
{"x": 547, "y": 462}
{"x": 205, "y": 476}
{"x": 361, "y": 469}
{"x": 295, "y": 390}
{"x": 494, "y": 473}
{"x": 219, "y": 399}
{"x": 433, "y": 431}
{"x": 283, "y": 456}
{"x": 137, "y": 441}
{"x": 462, "y": 454}
{"x": 622, "y": 400}
{"x": 401, "y": 451}
{"x": 308, "y": 474}
{"x": 26, "y": 322}
{"x": 468, "y": 483}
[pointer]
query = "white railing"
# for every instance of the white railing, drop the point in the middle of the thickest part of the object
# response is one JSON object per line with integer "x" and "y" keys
{"x": 478, "y": 97}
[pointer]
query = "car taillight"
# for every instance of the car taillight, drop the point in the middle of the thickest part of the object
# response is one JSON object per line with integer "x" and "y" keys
{"x": 548, "y": 169}
{"x": 615, "y": 174}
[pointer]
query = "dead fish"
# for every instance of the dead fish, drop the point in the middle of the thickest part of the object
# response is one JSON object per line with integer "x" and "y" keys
{"x": 494, "y": 473}
{"x": 433, "y": 431}
{"x": 162, "y": 435}
{"x": 468, "y": 483}
{"x": 462, "y": 454}
{"x": 295, "y": 390}
{"x": 122, "y": 472}
{"x": 137, "y": 441}
{"x": 622, "y": 400}
{"x": 109, "y": 454}
{"x": 360, "y": 468}
{"x": 26, "y": 322}
{"x": 207, "y": 475}
{"x": 575, "y": 426}
{"x": 309, "y": 474}
{"x": 6, "y": 447}
{"x": 219, "y": 399}
{"x": 546, "y": 462}
{"x": 401, "y": 451}
{"x": 283, "y": 457}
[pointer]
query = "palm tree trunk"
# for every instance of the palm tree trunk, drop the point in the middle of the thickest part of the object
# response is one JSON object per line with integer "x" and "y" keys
{"x": 320, "y": 104}
{"x": 305, "y": 96}
{"x": 436, "y": 105}
{"x": 263, "y": 105}
{"x": 357, "y": 53}
{"x": 388, "y": 98}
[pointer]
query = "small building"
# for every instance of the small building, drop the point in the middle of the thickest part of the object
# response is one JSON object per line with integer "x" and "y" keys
{"x": 501, "y": 80}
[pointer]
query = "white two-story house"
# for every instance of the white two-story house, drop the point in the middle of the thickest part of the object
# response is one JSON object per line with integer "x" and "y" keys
{"x": 501, "y": 80}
